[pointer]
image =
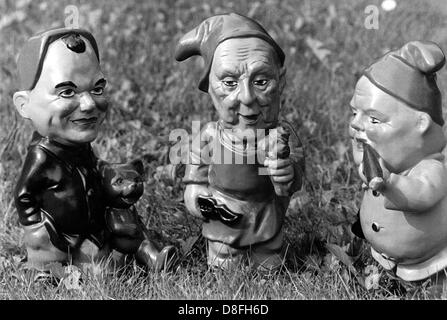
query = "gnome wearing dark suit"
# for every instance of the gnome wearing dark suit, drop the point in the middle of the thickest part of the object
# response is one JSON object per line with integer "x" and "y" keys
{"x": 63, "y": 190}
{"x": 243, "y": 209}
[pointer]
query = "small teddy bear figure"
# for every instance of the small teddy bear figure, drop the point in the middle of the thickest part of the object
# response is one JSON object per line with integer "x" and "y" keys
{"x": 123, "y": 186}
{"x": 241, "y": 195}
{"x": 397, "y": 139}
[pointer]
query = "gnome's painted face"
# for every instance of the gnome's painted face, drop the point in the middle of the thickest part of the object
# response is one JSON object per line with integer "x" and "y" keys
{"x": 67, "y": 103}
{"x": 388, "y": 125}
{"x": 245, "y": 83}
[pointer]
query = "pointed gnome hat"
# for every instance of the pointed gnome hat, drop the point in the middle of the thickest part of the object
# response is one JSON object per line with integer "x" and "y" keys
{"x": 204, "y": 39}
{"x": 409, "y": 74}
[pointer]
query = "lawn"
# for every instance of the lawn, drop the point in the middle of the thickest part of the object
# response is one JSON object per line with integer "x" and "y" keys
{"x": 326, "y": 44}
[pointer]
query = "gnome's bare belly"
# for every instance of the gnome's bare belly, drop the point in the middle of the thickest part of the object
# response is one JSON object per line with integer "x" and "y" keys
{"x": 406, "y": 237}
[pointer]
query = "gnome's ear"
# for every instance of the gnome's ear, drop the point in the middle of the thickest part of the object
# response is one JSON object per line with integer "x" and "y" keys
{"x": 20, "y": 100}
{"x": 189, "y": 45}
{"x": 424, "y": 122}
{"x": 426, "y": 56}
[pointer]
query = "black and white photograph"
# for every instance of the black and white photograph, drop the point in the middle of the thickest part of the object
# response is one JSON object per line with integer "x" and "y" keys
{"x": 217, "y": 156}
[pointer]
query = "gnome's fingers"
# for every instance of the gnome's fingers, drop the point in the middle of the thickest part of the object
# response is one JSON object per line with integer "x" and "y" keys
{"x": 283, "y": 179}
{"x": 281, "y": 172}
{"x": 377, "y": 184}
{"x": 277, "y": 163}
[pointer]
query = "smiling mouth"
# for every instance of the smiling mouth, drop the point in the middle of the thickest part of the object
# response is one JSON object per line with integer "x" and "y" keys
{"x": 250, "y": 119}
{"x": 85, "y": 121}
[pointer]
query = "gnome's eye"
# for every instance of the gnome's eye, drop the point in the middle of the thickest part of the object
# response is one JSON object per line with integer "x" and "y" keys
{"x": 374, "y": 120}
{"x": 67, "y": 93}
{"x": 230, "y": 83}
{"x": 98, "y": 91}
{"x": 260, "y": 82}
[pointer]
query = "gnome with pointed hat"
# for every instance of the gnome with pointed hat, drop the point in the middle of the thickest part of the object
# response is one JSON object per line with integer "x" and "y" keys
{"x": 397, "y": 138}
{"x": 243, "y": 210}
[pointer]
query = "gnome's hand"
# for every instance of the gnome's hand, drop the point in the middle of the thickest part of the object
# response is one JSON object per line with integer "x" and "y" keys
{"x": 281, "y": 170}
{"x": 377, "y": 184}
{"x": 192, "y": 192}
{"x": 278, "y": 163}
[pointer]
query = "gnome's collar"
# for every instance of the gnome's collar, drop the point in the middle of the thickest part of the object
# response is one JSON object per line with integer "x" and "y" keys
{"x": 81, "y": 155}
{"x": 230, "y": 140}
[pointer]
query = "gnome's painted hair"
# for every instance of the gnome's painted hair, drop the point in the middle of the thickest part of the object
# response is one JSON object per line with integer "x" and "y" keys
{"x": 409, "y": 75}
{"x": 32, "y": 55}
{"x": 204, "y": 39}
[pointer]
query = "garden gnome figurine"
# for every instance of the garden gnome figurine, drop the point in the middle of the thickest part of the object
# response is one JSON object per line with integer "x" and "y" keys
{"x": 60, "y": 194}
{"x": 397, "y": 139}
{"x": 242, "y": 209}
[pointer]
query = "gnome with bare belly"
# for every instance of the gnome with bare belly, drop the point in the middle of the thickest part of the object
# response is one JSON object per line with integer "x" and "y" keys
{"x": 241, "y": 195}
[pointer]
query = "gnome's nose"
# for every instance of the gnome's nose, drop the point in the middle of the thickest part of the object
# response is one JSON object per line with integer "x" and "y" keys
{"x": 356, "y": 123}
{"x": 87, "y": 103}
{"x": 246, "y": 95}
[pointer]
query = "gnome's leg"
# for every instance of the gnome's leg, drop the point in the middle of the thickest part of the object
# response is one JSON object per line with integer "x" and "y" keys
{"x": 222, "y": 255}
{"x": 40, "y": 251}
{"x": 268, "y": 256}
{"x": 148, "y": 253}
{"x": 130, "y": 236}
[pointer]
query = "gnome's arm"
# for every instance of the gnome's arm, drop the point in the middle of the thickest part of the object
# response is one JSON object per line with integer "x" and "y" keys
{"x": 196, "y": 171}
{"x": 297, "y": 158}
{"x": 36, "y": 177}
{"x": 420, "y": 190}
{"x": 285, "y": 145}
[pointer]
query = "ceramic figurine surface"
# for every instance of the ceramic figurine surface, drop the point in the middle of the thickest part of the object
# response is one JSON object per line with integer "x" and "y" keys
{"x": 397, "y": 139}
{"x": 242, "y": 209}
{"x": 60, "y": 194}
{"x": 123, "y": 186}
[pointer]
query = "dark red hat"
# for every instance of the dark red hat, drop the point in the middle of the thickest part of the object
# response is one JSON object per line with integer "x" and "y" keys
{"x": 204, "y": 39}
{"x": 32, "y": 55}
{"x": 409, "y": 74}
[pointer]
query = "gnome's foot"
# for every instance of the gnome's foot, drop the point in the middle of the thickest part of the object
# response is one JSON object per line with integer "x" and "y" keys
{"x": 149, "y": 255}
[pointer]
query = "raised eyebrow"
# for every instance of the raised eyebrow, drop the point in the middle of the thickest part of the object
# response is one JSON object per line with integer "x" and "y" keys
{"x": 66, "y": 84}
{"x": 227, "y": 73}
{"x": 374, "y": 112}
{"x": 101, "y": 82}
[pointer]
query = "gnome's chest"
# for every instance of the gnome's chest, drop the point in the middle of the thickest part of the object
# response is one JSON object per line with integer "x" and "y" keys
{"x": 238, "y": 173}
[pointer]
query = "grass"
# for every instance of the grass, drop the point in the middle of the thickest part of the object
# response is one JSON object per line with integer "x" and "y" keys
{"x": 151, "y": 94}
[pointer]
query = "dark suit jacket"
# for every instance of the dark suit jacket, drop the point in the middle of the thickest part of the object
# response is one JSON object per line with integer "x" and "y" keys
{"x": 60, "y": 186}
